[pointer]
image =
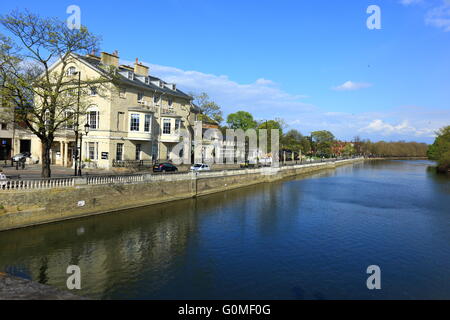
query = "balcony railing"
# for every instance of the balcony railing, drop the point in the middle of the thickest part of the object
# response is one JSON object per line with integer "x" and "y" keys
{"x": 168, "y": 111}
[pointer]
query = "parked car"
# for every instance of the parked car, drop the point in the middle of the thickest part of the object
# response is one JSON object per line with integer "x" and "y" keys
{"x": 265, "y": 162}
{"x": 21, "y": 157}
{"x": 200, "y": 167}
{"x": 249, "y": 165}
{"x": 164, "y": 167}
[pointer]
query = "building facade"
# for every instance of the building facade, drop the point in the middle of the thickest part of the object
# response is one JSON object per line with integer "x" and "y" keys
{"x": 135, "y": 117}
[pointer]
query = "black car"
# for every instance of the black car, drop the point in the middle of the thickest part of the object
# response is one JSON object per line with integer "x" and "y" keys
{"x": 164, "y": 167}
{"x": 248, "y": 165}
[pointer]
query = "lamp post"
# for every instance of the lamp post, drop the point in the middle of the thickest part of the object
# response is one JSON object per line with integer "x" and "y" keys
{"x": 77, "y": 154}
{"x": 86, "y": 131}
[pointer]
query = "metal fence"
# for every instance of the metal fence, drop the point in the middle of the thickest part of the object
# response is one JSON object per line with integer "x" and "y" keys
{"x": 53, "y": 183}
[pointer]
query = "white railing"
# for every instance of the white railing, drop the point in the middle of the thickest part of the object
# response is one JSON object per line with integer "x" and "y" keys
{"x": 95, "y": 180}
{"x": 140, "y": 178}
{"x": 36, "y": 184}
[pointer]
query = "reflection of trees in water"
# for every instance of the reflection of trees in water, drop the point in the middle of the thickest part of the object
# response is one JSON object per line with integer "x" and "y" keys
{"x": 112, "y": 248}
{"x": 43, "y": 278}
{"x": 115, "y": 250}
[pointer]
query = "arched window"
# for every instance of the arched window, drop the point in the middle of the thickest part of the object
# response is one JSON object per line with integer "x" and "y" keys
{"x": 93, "y": 117}
{"x": 71, "y": 71}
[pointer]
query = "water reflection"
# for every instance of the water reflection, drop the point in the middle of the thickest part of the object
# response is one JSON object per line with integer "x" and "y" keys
{"x": 306, "y": 237}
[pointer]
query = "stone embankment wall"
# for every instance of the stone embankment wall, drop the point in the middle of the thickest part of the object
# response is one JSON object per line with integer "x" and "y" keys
{"x": 23, "y": 208}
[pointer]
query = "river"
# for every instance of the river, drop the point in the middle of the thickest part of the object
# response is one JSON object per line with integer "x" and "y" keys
{"x": 309, "y": 237}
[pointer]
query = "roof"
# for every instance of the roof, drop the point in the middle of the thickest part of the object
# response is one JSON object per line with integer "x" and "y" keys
{"x": 96, "y": 64}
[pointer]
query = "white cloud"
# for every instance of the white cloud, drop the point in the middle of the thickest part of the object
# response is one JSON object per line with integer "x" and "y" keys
{"x": 352, "y": 86}
{"x": 410, "y": 2}
{"x": 403, "y": 128}
{"x": 439, "y": 16}
{"x": 266, "y": 100}
{"x": 263, "y": 96}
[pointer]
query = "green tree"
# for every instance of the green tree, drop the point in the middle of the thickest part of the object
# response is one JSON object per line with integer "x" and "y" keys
{"x": 209, "y": 109}
{"x": 322, "y": 142}
{"x": 45, "y": 99}
{"x": 7, "y": 52}
{"x": 294, "y": 141}
{"x": 349, "y": 149}
{"x": 241, "y": 120}
{"x": 440, "y": 149}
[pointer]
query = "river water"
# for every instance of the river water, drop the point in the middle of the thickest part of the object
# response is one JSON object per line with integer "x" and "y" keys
{"x": 309, "y": 237}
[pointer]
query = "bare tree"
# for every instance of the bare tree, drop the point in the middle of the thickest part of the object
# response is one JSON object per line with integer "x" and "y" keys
{"x": 43, "y": 96}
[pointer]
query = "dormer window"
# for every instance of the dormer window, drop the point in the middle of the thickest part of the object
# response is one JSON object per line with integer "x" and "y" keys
{"x": 161, "y": 84}
{"x": 71, "y": 71}
{"x": 130, "y": 75}
{"x": 147, "y": 80}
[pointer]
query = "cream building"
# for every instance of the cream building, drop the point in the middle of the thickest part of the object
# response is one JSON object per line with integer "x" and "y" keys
{"x": 138, "y": 117}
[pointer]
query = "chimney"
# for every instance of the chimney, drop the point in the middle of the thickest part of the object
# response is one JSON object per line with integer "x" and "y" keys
{"x": 140, "y": 69}
{"x": 109, "y": 59}
{"x": 93, "y": 55}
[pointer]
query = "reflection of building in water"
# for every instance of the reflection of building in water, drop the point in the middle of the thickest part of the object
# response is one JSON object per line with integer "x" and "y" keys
{"x": 113, "y": 250}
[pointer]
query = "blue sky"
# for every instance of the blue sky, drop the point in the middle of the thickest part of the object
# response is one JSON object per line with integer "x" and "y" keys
{"x": 313, "y": 63}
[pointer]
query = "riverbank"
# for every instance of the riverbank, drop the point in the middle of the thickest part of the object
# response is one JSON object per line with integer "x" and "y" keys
{"x": 32, "y": 204}
{"x": 13, "y": 288}
{"x": 307, "y": 237}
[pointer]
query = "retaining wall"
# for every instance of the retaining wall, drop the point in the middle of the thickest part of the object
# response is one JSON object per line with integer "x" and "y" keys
{"x": 22, "y": 208}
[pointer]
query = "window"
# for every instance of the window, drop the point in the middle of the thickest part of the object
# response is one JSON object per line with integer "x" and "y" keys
{"x": 93, "y": 91}
{"x": 155, "y": 99}
{"x": 148, "y": 119}
{"x": 70, "y": 120}
{"x": 4, "y": 126}
{"x": 140, "y": 96}
{"x": 93, "y": 119}
{"x": 72, "y": 92}
{"x": 122, "y": 92}
{"x": 166, "y": 126}
{"x": 91, "y": 151}
{"x": 119, "y": 152}
{"x": 130, "y": 75}
{"x": 138, "y": 151}
{"x": 147, "y": 80}
{"x": 177, "y": 124}
{"x": 71, "y": 71}
{"x": 134, "y": 122}
{"x": 170, "y": 102}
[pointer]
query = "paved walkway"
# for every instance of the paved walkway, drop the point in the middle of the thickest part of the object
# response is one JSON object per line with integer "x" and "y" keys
{"x": 34, "y": 171}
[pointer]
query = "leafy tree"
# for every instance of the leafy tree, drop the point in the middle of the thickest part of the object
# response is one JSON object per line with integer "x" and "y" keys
{"x": 270, "y": 125}
{"x": 209, "y": 109}
{"x": 349, "y": 149}
{"x": 322, "y": 141}
{"x": 440, "y": 149}
{"x": 294, "y": 141}
{"x": 45, "y": 99}
{"x": 7, "y": 51}
{"x": 241, "y": 120}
